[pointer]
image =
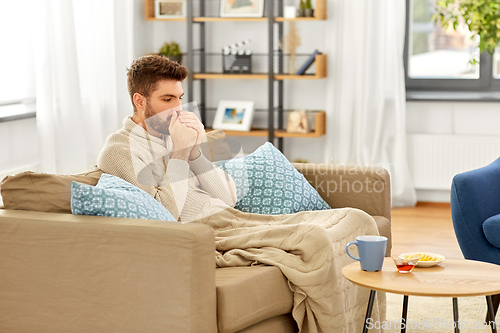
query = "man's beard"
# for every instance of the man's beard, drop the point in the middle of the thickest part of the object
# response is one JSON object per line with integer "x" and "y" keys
{"x": 156, "y": 121}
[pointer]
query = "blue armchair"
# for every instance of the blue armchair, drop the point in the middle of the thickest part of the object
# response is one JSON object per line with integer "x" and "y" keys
{"x": 475, "y": 197}
{"x": 475, "y": 211}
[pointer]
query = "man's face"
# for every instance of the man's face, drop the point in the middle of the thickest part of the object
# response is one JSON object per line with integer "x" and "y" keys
{"x": 162, "y": 103}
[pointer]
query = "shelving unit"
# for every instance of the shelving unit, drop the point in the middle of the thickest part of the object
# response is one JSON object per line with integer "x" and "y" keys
{"x": 198, "y": 13}
{"x": 319, "y": 15}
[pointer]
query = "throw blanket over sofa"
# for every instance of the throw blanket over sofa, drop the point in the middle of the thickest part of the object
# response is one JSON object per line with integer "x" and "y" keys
{"x": 309, "y": 249}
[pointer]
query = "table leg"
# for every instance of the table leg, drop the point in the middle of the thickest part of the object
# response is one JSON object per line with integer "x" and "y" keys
{"x": 495, "y": 299}
{"x": 369, "y": 310}
{"x": 455, "y": 314}
{"x": 491, "y": 315}
{"x": 404, "y": 316}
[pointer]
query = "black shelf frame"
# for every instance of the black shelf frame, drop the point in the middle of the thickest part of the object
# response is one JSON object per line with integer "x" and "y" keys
{"x": 271, "y": 7}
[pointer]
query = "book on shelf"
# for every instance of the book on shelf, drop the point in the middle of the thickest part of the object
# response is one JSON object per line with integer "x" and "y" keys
{"x": 302, "y": 70}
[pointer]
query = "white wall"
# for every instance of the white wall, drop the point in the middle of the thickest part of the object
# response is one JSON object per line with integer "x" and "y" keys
{"x": 451, "y": 118}
{"x": 458, "y": 118}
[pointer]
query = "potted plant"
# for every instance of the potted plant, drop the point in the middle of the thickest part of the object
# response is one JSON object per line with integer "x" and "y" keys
{"x": 302, "y": 8}
{"x": 481, "y": 17}
{"x": 171, "y": 51}
{"x": 309, "y": 12}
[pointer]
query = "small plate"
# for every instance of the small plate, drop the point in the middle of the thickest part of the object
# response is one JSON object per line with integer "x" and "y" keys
{"x": 426, "y": 263}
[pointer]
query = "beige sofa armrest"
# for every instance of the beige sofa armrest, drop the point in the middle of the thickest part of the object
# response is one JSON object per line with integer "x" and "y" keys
{"x": 69, "y": 273}
{"x": 367, "y": 188}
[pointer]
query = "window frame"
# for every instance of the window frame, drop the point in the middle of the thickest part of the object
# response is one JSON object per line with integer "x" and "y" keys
{"x": 485, "y": 83}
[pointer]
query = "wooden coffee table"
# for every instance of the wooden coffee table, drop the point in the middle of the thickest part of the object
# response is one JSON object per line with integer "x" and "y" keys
{"x": 451, "y": 278}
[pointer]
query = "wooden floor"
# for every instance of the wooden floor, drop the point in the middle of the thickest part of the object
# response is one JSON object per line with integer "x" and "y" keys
{"x": 427, "y": 227}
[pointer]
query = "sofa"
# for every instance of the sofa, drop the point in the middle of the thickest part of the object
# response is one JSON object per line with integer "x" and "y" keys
{"x": 69, "y": 273}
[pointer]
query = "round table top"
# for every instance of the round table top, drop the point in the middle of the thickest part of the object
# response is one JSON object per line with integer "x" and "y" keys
{"x": 450, "y": 278}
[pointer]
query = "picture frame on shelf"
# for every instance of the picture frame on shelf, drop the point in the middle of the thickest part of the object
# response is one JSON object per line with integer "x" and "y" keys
{"x": 234, "y": 115}
{"x": 165, "y": 9}
{"x": 241, "y": 8}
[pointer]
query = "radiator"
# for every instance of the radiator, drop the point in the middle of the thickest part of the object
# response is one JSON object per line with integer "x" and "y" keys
{"x": 435, "y": 159}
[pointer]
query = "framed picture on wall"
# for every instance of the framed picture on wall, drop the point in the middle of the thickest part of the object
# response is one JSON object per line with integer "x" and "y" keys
{"x": 170, "y": 8}
{"x": 241, "y": 8}
{"x": 234, "y": 115}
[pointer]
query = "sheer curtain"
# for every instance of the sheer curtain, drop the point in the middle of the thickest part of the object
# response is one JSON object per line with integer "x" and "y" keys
{"x": 77, "y": 81}
{"x": 366, "y": 102}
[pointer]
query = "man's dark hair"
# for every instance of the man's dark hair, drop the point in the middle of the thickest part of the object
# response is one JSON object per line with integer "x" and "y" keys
{"x": 145, "y": 72}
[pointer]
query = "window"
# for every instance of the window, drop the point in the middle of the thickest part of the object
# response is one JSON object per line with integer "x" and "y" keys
{"x": 439, "y": 59}
{"x": 17, "y": 62}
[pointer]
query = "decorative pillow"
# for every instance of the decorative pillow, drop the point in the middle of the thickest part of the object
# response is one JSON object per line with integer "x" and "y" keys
{"x": 491, "y": 229}
{"x": 115, "y": 197}
{"x": 43, "y": 192}
{"x": 267, "y": 183}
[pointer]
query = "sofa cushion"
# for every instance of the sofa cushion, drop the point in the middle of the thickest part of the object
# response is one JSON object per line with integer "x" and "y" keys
{"x": 364, "y": 187}
{"x": 115, "y": 197}
{"x": 249, "y": 295}
{"x": 43, "y": 192}
{"x": 384, "y": 229}
{"x": 218, "y": 148}
{"x": 491, "y": 229}
{"x": 267, "y": 183}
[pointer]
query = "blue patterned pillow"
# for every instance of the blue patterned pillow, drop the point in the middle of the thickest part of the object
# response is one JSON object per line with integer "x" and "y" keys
{"x": 113, "y": 196}
{"x": 267, "y": 183}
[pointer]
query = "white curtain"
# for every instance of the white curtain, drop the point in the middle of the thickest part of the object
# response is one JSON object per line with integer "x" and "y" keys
{"x": 366, "y": 102}
{"x": 79, "y": 46}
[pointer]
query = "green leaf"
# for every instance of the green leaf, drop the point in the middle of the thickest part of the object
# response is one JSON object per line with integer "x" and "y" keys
{"x": 482, "y": 18}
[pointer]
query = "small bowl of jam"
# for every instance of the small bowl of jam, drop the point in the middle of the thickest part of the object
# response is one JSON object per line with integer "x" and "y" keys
{"x": 407, "y": 263}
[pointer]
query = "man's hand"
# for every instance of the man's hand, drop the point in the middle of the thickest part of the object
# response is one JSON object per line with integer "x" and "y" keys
{"x": 190, "y": 120}
{"x": 184, "y": 138}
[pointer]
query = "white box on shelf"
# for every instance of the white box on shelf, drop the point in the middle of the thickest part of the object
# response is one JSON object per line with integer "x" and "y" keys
{"x": 290, "y": 12}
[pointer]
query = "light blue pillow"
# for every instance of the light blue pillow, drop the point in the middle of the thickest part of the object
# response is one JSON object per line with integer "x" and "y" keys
{"x": 115, "y": 197}
{"x": 267, "y": 183}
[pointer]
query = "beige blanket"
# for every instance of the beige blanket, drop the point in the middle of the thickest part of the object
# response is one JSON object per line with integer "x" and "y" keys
{"x": 309, "y": 248}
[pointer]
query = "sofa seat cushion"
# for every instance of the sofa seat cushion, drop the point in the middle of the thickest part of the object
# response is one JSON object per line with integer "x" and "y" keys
{"x": 249, "y": 295}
